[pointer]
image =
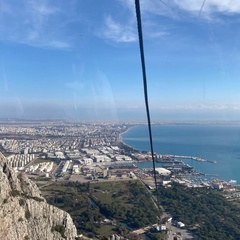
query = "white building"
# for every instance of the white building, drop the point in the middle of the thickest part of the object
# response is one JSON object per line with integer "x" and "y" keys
{"x": 49, "y": 167}
{"x": 115, "y": 148}
{"x": 65, "y": 167}
{"x": 123, "y": 158}
{"x": 75, "y": 168}
{"x": 163, "y": 171}
{"x": 59, "y": 155}
{"x": 102, "y": 158}
{"x": 88, "y": 161}
{"x": 180, "y": 224}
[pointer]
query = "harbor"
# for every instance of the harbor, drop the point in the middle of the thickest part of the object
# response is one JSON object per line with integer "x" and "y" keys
{"x": 172, "y": 158}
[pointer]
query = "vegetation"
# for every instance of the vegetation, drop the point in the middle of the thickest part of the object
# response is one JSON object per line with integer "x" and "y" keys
{"x": 60, "y": 229}
{"x": 155, "y": 235}
{"x": 27, "y": 214}
{"x": 36, "y": 199}
{"x": 203, "y": 210}
{"x": 127, "y": 149}
{"x": 15, "y": 193}
{"x": 73, "y": 198}
{"x": 126, "y": 203}
{"x": 21, "y": 202}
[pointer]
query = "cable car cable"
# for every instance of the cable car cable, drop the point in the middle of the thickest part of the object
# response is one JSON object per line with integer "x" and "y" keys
{"x": 140, "y": 38}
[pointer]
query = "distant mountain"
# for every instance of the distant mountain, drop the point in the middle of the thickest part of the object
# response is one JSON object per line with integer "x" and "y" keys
{"x": 25, "y": 214}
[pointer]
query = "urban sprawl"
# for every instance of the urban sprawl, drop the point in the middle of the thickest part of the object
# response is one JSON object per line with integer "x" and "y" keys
{"x": 67, "y": 151}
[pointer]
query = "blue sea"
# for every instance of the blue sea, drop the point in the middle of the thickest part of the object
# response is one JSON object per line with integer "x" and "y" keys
{"x": 219, "y": 143}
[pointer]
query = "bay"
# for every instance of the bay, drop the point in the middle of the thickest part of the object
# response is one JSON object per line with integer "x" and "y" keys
{"x": 219, "y": 143}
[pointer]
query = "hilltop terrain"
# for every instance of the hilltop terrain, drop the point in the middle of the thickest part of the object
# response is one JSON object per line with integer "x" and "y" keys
{"x": 25, "y": 214}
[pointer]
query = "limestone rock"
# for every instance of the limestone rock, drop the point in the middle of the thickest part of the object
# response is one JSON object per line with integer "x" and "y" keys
{"x": 25, "y": 214}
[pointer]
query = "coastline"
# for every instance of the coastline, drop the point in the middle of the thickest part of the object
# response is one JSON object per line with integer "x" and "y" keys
{"x": 205, "y": 163}
{"x": 195, "y": 158}
{"x": 120, "y": 135}
{"x": 120, "y": 140}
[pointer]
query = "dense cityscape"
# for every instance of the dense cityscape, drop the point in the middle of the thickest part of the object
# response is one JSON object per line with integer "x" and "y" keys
{"x": 64, "y": 150}
{"x": 61, "y": 151}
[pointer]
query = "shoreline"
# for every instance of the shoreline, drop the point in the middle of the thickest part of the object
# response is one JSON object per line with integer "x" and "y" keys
{"x": 120, "y": 135}
{"x": 192, "y": 157}
{"x": 195, "y": 158}
{"x": 120, "y": 139}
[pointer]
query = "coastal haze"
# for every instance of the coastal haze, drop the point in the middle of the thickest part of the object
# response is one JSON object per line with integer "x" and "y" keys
{"x": 78, "y": 60}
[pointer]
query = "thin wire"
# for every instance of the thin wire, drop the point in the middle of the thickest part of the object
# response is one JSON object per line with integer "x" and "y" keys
{"x": 138, "y": 14}
{"x": 164, "y": 3}
{"x": 200, "y": 11}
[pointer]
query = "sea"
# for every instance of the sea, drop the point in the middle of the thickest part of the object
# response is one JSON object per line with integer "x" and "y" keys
{"x": 220, "y": 143}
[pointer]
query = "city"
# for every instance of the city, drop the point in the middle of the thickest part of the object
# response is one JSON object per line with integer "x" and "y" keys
{"x": 61, "y": 151}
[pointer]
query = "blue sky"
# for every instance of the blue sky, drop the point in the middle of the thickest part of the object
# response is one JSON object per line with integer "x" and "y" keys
{"x": 80, "y": 60}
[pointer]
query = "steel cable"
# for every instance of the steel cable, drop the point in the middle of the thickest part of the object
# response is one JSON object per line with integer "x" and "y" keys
{"x": 140, "y": 38}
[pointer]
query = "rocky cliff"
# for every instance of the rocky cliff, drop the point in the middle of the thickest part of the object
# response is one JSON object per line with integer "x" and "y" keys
{"x": 25, "y": 214}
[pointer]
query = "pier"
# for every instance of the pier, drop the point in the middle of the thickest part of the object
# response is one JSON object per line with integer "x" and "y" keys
{"x": 171, "y": 158}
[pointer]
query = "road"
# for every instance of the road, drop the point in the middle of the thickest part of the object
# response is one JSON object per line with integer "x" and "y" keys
{"x": 182, "y": 233}
{"x": 143, "y": 230}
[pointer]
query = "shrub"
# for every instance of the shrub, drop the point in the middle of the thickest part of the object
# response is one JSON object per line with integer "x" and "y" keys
{"x": 60, "y": 229}
{"x": 15, "y": 193}
{"x": 21, "y": 202}
{"x": 38, "y": 199}
{"x": 27, "y": 214}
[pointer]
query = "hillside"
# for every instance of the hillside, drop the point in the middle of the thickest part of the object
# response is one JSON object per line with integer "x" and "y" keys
{"x": 25, "y": 214}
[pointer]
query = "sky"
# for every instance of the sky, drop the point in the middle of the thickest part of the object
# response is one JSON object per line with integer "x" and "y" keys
{"x": 80, "y": 60}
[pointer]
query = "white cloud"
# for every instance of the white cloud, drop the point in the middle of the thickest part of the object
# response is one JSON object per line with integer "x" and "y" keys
{"x": 42, "y": 8}
{"x": 210, "y": 6}
{"x": 50, "y": 24}
{"x": 75, "y": 85}
{"x": 200, "y": 107}
{"x": 119, "y": 32}
{"x": 152, "y": 6}
{"x": 212, "y": 10}
{"x": 35, "y": 23}
{"x": 205, "y": 6}
{"x": 170, "y": 8}
{"x": 125, "y": 29}
{"x": 59, "y": 44}
{"x": 157, "y": 34}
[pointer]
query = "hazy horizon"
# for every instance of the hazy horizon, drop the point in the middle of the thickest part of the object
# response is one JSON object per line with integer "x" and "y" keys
{"x": 78, "y": 60}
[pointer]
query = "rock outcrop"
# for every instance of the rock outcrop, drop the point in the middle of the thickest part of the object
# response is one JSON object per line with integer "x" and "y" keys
{"x": 25, "y": 214}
